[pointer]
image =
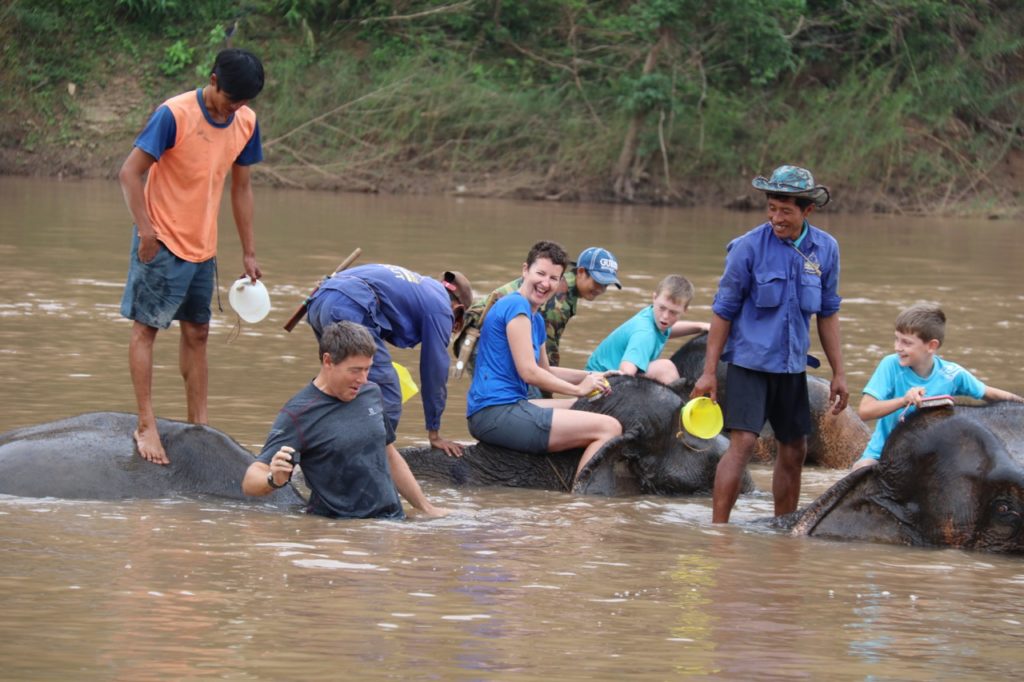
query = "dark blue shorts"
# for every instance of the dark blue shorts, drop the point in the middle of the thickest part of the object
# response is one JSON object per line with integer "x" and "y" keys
{"x": 754, "y": 397}
{"x": 517, "y": 426}
{"x": 167, "y": 288}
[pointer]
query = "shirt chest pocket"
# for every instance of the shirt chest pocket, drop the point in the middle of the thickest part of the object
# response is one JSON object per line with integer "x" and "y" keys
{"x": 769, "y": 289}
{"x": 810, "y": 292}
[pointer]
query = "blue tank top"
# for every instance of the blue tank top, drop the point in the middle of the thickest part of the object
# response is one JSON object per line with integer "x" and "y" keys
{"x": 495, "y": 379}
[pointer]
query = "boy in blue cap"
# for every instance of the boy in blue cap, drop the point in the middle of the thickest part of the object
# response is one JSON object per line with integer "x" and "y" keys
{"x": 776, "y": 277}
{"x": 635, "y": 345}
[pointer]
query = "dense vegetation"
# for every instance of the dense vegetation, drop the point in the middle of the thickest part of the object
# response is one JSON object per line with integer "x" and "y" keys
{"x": 900, "y": 105}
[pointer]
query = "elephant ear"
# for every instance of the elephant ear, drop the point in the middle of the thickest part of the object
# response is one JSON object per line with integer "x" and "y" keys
{"x": 608, "y": 471}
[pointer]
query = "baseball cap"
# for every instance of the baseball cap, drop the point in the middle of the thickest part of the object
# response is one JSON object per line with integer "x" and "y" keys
{"x": 600, "y": 264}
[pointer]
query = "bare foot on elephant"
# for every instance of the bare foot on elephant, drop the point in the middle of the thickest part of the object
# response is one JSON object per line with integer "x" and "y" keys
{"x": 150, "y": 447}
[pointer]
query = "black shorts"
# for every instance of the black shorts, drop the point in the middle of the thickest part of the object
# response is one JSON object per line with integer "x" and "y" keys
{"x": 753, "y": 397}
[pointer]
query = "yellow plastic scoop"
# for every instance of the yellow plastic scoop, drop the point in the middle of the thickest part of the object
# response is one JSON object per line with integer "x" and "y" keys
{"x": 409, "y": 387}
{"x": 702, "y": 418}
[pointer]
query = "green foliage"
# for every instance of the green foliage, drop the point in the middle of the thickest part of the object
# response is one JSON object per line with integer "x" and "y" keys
{"x": 905, "y": 97}
{"x": 158, "y": 9}
{"x": 177, "y": 56}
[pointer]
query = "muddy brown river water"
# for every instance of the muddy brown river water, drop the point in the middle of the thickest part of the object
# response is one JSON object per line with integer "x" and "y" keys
{"x": 517, "y": 584}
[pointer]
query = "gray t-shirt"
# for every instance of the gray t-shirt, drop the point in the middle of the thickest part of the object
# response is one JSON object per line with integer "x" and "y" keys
{"x": 341, "y": 448}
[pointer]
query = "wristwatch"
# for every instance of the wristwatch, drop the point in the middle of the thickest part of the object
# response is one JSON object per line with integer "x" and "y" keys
{"x": 270, "y": 481}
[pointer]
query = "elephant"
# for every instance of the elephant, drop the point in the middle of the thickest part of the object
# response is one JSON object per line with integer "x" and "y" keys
{"x": 947, "y": 477}
{"x": 92, "y": 456}
{"x": 652, "y": 456}
{"x": 835, "y": 442}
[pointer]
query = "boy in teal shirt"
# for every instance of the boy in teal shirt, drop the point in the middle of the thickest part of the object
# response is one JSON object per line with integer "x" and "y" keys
{"x": 914, "y": 372}
{"x": 635, "y": 345}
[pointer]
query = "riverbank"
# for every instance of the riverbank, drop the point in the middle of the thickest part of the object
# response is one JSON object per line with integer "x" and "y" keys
{"x": 589, "y": 104}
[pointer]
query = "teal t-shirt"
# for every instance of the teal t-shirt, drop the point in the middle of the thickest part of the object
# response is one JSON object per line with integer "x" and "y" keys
{"x": 637, "y": 340}
{"x": 891, "y": 380}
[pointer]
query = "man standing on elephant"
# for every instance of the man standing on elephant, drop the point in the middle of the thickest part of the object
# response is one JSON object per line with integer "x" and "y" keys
{"x": 187, "y": 148}
{"x": 776, "y": 277}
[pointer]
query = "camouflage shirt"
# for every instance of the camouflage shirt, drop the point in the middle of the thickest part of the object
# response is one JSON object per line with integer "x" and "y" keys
{"x": 556, "y": 311}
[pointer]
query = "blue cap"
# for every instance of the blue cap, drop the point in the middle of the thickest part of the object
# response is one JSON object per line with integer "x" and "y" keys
{"x": 600, "y": 264}
{"x": 793, "y": 181}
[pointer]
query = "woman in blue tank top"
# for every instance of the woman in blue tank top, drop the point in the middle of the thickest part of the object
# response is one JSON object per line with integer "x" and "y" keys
{"x": 511, "y": 357}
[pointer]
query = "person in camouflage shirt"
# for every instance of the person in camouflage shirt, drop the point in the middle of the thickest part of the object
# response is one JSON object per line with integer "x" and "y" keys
{"x": 594, "y": 271}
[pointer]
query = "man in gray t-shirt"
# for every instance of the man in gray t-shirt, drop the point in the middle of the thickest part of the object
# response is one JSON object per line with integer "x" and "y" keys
{"x": 336, "y": 427}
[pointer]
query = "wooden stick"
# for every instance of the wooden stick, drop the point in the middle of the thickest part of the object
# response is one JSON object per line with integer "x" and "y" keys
{"x": 300, "y": 312}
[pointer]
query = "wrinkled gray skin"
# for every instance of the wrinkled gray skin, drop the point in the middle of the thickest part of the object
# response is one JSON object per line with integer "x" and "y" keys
{"x": 92, "y": 457}
{"x": 836, "y": 441}
{"x": 651, "y": 456}
{"x": 947, "y": 477}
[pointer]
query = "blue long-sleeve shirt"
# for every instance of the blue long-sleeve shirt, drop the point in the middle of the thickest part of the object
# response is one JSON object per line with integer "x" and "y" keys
{"x": 410, "y": 309}
{"x": 769, "y": 291}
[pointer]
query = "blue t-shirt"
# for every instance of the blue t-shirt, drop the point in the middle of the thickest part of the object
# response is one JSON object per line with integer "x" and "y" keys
{"x": 891, "y": 380}
{"x": 342, "y": 452}
{"x": 637, "y": 340}
{"x": 495, "y": 379}
{"x": 162, "y": 130}
{"x": 769, "y": 290}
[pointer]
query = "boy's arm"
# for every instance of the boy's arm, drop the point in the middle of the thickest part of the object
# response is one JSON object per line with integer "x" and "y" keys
{"x": 688, "y": 328}
{"x": 992, "y": 393}
{"x": 872, "y": 408}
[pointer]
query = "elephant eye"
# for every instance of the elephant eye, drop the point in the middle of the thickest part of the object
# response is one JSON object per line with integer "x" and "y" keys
{"x": 1004, "y": 507}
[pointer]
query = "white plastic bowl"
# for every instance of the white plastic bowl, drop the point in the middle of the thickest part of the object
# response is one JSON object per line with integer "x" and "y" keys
{"x": 249, "y": 299}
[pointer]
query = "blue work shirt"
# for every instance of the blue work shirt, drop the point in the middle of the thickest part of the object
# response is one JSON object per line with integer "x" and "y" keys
{"x": 769, "y": 291}
{"x": 409, "y": 309}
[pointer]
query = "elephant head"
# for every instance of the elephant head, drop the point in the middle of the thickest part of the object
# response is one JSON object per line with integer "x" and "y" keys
{"x": 836, "y": 440}
{"x": 949, "y": 477}
{"x": 655, "y": 450}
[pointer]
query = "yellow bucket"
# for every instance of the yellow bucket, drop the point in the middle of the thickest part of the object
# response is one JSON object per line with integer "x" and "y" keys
{"x": 409, "y": 387}
{"x": 702, "y": 418}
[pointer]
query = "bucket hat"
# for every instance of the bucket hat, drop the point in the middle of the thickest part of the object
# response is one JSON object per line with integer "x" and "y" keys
{"x": 793, "y": 181}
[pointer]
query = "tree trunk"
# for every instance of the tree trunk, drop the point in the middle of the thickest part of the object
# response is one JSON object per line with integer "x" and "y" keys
{"x": 622, "y": 184}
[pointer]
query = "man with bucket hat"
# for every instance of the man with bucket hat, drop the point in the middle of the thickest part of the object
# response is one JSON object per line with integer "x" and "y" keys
{"x": 405, "y": 309}
{"x": 593, "y": 272}
{"x": 776, "y": 277}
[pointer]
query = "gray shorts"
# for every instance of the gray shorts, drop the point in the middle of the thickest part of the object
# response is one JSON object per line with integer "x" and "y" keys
{"x": 517, "y": 426}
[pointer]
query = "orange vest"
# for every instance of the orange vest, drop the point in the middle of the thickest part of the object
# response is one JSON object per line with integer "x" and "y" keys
{"x": 184, "y": 186}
